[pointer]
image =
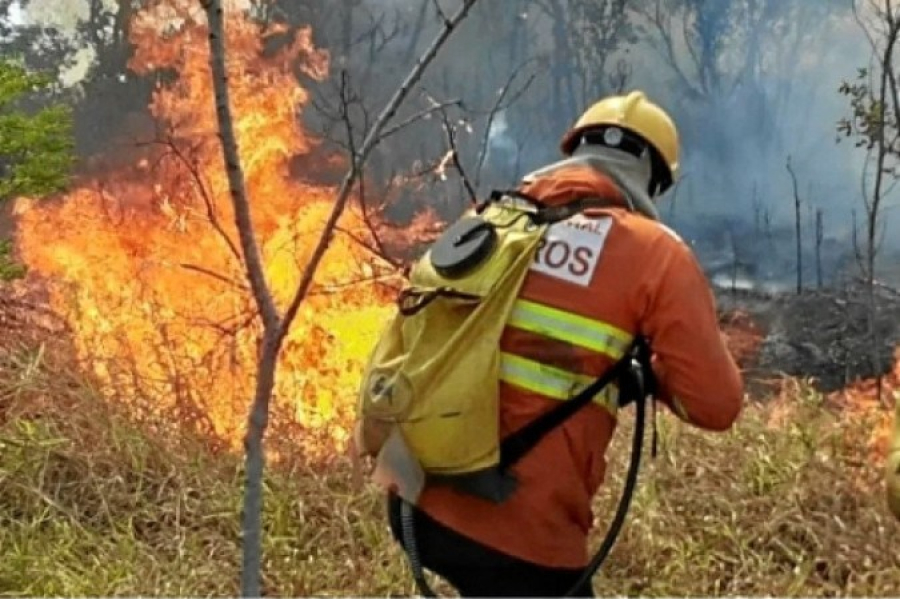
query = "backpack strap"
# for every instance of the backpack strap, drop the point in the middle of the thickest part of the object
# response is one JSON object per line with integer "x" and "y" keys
{"x": 518, "y": 444}
{"x": 548, "y": 214}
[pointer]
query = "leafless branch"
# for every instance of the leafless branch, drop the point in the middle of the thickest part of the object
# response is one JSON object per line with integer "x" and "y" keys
{"x": 693, "y": 52}
{"x": 230, "y": 326}
{"x": 820, "y": 236}
{"x": 440, "y": 12}
{"x": 275, "y": 327}
{"x": 197, "y": 177}
{"x": 660, "y": 19}
{"x": 421, "y": 115}
{"x": 797, "y": 202}
{"x": 376, "y": 250}
{"x": 618, "y": 79}
{"x": 454, "y": 156}
{"x": 218, "y": 276}
{"x": 334, "y": 288}
{"x": 372, "y": 138}
{"x": 497, "y": 107}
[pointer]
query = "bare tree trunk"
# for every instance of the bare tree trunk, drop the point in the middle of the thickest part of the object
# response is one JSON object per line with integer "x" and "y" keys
{"x": 268, "y": 352}
{"x": 757, "y": 209}
{"x": 876, "y": 119}
{"x": 887, "y": 92}
{"x": 231, "y": 154}
{"x": 820, "y": 233}
{"x": 797, "y": 227}
{"x": 275, "y": 327}
{"x": 735, "y": 264}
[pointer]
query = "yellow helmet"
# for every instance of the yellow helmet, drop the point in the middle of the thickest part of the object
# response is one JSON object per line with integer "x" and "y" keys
{"x": 635, "y": 113}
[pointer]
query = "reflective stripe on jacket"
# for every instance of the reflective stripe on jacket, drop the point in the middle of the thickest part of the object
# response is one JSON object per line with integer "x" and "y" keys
{"x": 597, "y": 281}
{"x": 596, "y": 338}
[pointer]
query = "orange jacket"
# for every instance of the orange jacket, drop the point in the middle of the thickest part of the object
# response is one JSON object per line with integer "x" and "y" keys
{"x": 613, "y": 275}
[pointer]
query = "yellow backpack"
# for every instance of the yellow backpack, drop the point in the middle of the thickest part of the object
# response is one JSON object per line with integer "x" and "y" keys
{"x": 428, "y": 407}
{"x": 428, "y": 402}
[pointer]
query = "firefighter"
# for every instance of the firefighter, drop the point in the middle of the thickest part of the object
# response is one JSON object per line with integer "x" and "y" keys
{"x": 598, "y": 279}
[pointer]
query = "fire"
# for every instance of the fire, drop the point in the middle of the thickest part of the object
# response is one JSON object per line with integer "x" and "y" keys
{"x": 141, "y": 262}
{"x": 860, "y": 400}
{"x": 742, "y": 335}
{"x": 856, "y": 402}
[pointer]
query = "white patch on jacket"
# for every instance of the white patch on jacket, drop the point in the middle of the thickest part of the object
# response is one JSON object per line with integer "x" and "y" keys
{"x": 571, "y": 249}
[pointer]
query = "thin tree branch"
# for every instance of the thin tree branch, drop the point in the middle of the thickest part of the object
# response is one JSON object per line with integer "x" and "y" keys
{"x": 268, "y": 352}
{"x": 214, "y": 275}
{"x": 250, "y": 248}
{"x": 230, "y": 154}
{"x": 498, "y": 105}
{"x": 197, "y": 176}
{"x": 422, "y": 114}
{"x": 334, "y": 288}
{"x": 276, "y": 328}
{"x": 372, "y": 138}
{"x": 664, "y": 29}
{"x": 454, "y": 156}
{"x": 378, "y": 252}
{"x": 440, "y": 13}
{"x": 379, "y": 248}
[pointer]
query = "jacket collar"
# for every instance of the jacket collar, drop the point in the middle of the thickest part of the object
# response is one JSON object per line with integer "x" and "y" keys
{"x": 629, "y": 173}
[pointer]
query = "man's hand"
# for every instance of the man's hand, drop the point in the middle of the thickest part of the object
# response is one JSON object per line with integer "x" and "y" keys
{"x": 640, "y": 381}
{"x": 661, "y": 393}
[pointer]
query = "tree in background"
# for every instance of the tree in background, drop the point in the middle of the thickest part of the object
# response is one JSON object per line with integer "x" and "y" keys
{"x": 86, "y": 45}
{"x": 874, "y": 124}
{"x": 722, "y": 56}
{"x": 747, "y": 82}
{"x": 36, "y": 144}
{"x": 40, "y": 46}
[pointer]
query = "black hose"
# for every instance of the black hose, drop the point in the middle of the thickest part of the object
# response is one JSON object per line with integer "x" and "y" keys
{"x": 412, "y": 550}
{"x": 615, "y": 527}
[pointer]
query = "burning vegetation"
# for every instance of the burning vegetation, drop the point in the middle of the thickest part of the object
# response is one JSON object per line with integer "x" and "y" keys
{"x": 144, "y": 263}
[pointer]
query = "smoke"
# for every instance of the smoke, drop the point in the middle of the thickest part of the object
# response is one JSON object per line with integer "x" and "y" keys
{"x": 750, "y": 84}
{"x": 739, "y": 132}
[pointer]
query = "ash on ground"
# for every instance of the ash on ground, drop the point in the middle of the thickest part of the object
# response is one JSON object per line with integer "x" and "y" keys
{"x": 822, "y": 334}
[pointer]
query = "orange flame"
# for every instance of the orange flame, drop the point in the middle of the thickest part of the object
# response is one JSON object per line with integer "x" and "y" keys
{"x": 742, "y": 336}
{"x": 153, "y": 291}
{"x": 860, "y": 400}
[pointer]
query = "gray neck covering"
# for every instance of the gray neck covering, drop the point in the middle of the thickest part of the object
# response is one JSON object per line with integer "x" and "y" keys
{"x": 631, "y": 173}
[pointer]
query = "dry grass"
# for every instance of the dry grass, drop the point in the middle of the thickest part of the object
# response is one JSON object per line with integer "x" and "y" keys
{"x": 786, "y": 504}
{"x": 93, "y": 504}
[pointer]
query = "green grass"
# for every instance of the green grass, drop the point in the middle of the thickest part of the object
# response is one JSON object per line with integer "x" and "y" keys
{"x": 94, "y": 503}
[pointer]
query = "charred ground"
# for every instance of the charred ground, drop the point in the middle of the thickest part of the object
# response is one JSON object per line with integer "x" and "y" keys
{"x": 821, "y": 334}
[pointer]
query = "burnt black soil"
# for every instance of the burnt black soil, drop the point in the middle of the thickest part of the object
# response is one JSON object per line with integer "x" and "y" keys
{"x": 823, "y": 334}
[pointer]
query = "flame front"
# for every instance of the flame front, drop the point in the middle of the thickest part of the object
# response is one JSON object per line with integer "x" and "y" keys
{"x": 861, "y": 400}
{"x": 142, "y": 262}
